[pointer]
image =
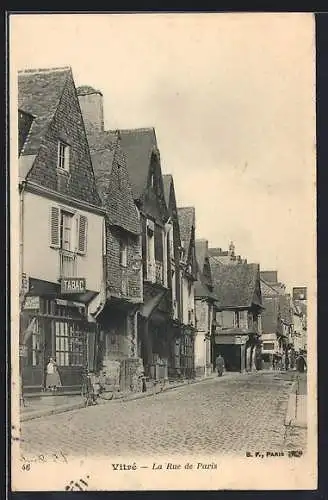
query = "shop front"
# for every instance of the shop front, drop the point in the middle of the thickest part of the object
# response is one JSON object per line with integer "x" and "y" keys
{"x": 233, "y": 349}
{"x": 55, "y": 325}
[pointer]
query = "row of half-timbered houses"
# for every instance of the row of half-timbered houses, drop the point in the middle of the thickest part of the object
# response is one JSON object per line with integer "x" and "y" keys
{"x": 111, "y": 275}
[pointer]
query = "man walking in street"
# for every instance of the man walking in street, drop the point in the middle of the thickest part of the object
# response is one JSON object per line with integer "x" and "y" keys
{"x": 219, "y": 363}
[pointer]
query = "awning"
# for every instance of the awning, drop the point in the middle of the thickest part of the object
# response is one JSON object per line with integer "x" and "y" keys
{"x": 147, "y": 308}
{"x": 50, "y": 290}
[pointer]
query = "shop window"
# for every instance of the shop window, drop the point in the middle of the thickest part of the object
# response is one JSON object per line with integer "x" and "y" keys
{"x": 69, "y": 344}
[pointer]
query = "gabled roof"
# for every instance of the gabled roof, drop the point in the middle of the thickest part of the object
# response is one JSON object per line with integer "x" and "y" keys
{"x": 201, "y": 253}
{"x": 138, "y": 146}
{"x": 39, "y": 93}
{"x": 186, "y": 217}
{"x": 235, "y": 285}
{"x": 267, "y": 290}
{"x": 106, "y": 155}
{"x": 167, "y": 182}
{"x": 203, "y": 285}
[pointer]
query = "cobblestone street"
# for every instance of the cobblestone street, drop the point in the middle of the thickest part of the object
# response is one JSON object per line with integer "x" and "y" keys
{"x": 234, "y": 414}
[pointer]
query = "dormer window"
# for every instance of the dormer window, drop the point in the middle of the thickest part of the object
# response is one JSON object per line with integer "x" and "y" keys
{"x": 63, "y": 156}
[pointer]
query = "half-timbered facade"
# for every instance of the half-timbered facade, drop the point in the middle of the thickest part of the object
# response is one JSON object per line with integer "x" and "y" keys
{"x": 204, "y": 307}
{"x": 144, "y": 167}
{"x": 188, "y": 276}
{"x": 117, "y": 317}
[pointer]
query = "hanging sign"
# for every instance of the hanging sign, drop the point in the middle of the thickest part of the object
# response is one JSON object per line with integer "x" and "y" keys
{"x": 73, "y": 285}
{"x": 32, "y": 302}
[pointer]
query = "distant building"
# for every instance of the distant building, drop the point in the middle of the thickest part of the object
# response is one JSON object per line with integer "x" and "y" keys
{"x": 204, "y": 304}
{"x": 227, "y": 256}
{"x": 277, "y": 319}
{"x": 300, "y": 318}
{"x": 238, "y": 314}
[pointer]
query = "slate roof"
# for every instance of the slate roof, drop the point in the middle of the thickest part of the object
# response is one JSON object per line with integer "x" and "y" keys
{"x": 234, "y": 285}
{"x": 267, "y": 290}
{"x": 39, "y": 93}
{"x": 106, "y": 154}
{"x": 285, "y": 308}
{"x": 167, "y": 182}
{"x": 186, "y": 217}
{"x": 201, "y": 252}
{"x": 138, "y": 145}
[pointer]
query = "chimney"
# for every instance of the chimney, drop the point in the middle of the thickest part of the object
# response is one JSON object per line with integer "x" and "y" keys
{"x": 232, "y": 250}
{"x": 91, "y": 104}
{"x": 270, "y": 276}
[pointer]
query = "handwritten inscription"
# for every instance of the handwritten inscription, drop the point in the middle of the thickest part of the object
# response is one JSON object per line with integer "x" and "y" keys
{"x": 59, "y": 457}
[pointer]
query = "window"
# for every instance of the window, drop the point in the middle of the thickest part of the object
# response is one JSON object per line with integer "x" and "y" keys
{"x": 123, "y": 253}
{"x": 66, "y": 223}
{"x": 70, "y": 344}
{"x": 268, "y": 346}
{"x": 63, "y": 156}
{"x": 237, "y": 319}
{"x": 68, "y": 231}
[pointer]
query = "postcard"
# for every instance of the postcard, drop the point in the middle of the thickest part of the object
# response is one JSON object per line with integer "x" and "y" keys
{"x": 163, "y": 251}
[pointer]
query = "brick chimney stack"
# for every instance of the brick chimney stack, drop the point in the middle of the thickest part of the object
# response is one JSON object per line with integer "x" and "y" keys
{"x": 91, "y": 103}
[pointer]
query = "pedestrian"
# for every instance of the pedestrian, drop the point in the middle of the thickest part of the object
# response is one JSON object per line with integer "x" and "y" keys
{"x": 53, "y": 378}
{"x": 219, "y": 363}
{"x": 300, "y": 364}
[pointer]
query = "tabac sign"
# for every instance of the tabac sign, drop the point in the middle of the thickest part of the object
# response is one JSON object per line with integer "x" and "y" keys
{"x": 73, "y": 285}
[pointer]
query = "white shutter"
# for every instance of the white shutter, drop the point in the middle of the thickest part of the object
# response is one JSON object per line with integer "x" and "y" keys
{"x": 82, "y": 235}
{"x": 55, "y": 227}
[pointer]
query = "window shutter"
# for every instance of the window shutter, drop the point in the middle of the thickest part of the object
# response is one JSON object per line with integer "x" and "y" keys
{"x": 82, "y": 235}
{"x": 55, "y": 227}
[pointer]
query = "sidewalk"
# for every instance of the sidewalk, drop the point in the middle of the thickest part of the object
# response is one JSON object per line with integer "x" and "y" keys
{"x": 38, "y": 407}
{"x": 297, "y": 405}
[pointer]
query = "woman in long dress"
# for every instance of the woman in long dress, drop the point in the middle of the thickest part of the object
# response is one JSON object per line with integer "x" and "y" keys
{"x": 52, "y": 379}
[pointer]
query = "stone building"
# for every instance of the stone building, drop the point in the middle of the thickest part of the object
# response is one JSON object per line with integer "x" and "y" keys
{"x": 61, "y": 231}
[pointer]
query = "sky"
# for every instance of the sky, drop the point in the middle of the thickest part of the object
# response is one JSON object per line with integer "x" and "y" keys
{"x": 232, "y": 100}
